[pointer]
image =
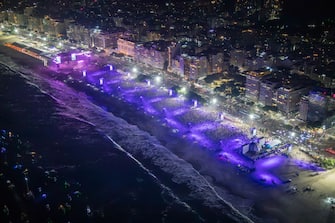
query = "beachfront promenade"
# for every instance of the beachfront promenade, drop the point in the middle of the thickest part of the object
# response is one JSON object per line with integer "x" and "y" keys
{"x": 218, "y": 117}
{"x": 202, "y": 124}
{"x": 171, "y": 111}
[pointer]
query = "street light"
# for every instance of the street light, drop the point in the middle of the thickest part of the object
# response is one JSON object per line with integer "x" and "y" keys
{"x": 170, "y": 92}
{"x": 214, "y": 101}
{"x": 195, "y": 103}
{"x": 158, "y": 79}
{"x": 183, "y": 90}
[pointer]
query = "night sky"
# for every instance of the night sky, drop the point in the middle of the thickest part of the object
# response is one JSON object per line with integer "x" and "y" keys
{"x": 307, "y": 10}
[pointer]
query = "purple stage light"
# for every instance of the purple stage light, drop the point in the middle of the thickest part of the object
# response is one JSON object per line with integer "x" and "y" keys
{"x": 266, "y": 178}
{"x": 175, "y": 124}
{"x": 270, "y": 162}
{"x": 308, "y": 166}
{"x": 179, "y": 111}
{"x": 73, "y": 56}
{"x": 230, "y": 157}
{"x": 58, "y": 60}
{"x": 202, "y": 140}
{"x": 154, "y": 100}
{"x": 150, "y": 110}
{"x": 204, "y": 126}
{"x": 195, "y": 103}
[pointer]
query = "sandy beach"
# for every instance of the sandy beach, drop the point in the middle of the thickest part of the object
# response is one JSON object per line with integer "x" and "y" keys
{"x": 274, "y": 204}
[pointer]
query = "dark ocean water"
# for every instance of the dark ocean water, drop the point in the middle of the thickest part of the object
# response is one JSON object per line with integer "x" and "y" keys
{"x": 82, "y": 142}
{"x": 112, "y": 182}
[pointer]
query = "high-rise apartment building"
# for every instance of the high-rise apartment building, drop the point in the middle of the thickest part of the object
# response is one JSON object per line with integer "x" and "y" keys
{"x": 253, "y": 83}
{"x": 288, "y": 98}
{"x": 267, "y": 92}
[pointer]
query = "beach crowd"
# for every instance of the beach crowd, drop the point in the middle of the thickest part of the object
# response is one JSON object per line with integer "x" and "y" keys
{"x": 32, "y": 192}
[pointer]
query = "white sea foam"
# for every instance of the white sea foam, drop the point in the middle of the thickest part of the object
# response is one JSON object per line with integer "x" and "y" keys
{"x": 136, "y": 143}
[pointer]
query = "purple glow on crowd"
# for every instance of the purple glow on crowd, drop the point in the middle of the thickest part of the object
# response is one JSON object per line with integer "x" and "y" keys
{"x": 231, "y": 158}
{"x": 200, "y": 139}
{"x": 179, "y": 111}
{"x": 155, "y": 99}
{"x": 150, "y": 110}
{"x": 73, "y": 56}
{"x": 266, "y": 178}
{"x": 175, "y": 124}
{"x": 270, "y": 162}
{"x": 200, "y": 124}
{"x": 58, "y": 60}
{"x": 307, "y": 165}
{"x": 204, "y": 126}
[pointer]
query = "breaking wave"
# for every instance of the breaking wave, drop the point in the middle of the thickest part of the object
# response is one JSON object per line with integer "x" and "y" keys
{"x": 135, "y": 143}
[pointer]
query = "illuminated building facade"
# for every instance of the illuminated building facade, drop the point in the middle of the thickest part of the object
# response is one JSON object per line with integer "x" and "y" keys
{"x": 152, "y": 54}
{"x": 253, "y": 83}
{"x": 79, "y": 34}
{"x": 317, "y": 106}
{"x": 303, "y": 108}
{"x": 126, "y": 47}
{"x": 288, "y": 98}
{"x": 215, "y": 61}
{"x": 252, "y": 87}
{"x": 104, "y": 40}
{"x": 267, "y": 92}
